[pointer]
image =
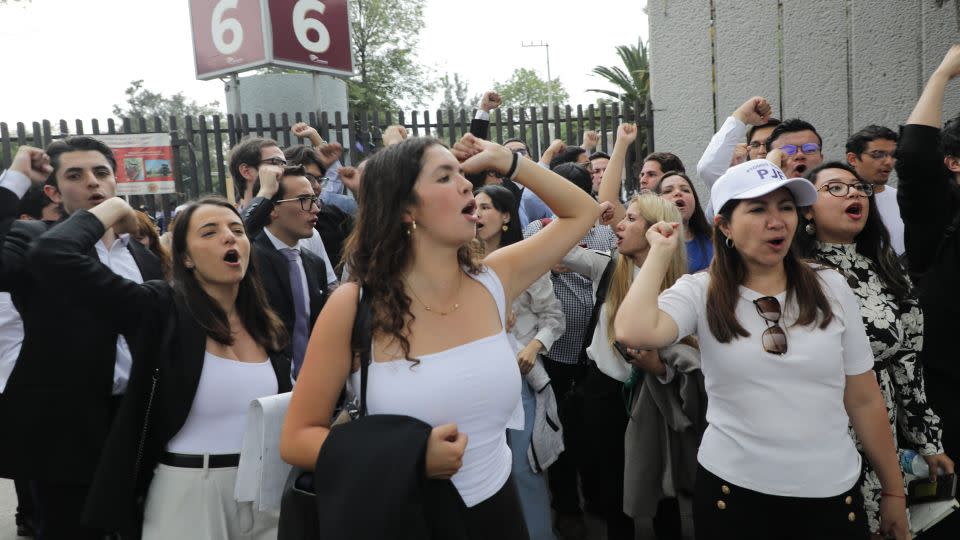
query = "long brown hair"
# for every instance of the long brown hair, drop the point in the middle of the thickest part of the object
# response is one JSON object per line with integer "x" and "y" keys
{"x": 728, "y": 271}
{"x": 263, "y": 325}
{"x": 652, "y": 209}
{"x": 148, "y": 229}
{"x": 380, "y": 248}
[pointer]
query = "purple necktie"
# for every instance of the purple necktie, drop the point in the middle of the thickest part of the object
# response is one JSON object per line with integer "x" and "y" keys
{"x": 301, "y": 329}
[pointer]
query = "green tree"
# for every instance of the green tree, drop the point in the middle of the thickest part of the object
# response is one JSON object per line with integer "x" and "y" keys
{"x": 456, "y": 93}
{"x": 385, "y": 36}
{"x": 146, "y": 103}
{"x": 632, "y": 81}
{"x": 526, "y": 89}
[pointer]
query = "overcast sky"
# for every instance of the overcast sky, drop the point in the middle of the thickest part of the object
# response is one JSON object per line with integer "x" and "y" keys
{"x": 58, "y": 63}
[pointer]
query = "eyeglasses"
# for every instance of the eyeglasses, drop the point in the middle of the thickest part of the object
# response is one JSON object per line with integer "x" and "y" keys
{"x": 755, "y": 144}
{"x": 774, "y": 339}
{"x": 879, "y": 154}
{"x": 279, "y": 162}
{"x": 842, "y": 189}
{"x": 306, "y": 203}
{"x": 808, "y": 148}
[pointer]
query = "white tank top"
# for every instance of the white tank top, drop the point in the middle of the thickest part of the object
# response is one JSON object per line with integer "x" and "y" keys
{"x": 218, "y": 416}
{"x": 475, "y": 385}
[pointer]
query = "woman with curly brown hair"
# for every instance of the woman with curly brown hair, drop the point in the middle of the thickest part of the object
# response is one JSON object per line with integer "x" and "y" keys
{"x": 148, "y": 235}
{"x": 440, "y": 351}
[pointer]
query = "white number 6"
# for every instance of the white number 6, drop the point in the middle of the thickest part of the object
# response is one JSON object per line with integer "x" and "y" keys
{"x": 302, "y": 23}
{"x": 219, "y": 27}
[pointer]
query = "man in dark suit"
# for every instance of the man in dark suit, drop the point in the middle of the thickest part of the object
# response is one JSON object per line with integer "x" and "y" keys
{"x": 283, "y": 213}
{"x": 73, "y": 367}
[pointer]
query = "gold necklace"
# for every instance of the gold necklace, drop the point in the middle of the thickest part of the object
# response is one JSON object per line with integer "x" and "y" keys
{"x": 455, "y": 307}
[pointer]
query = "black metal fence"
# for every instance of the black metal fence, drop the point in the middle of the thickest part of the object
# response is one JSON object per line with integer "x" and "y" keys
{"x": 201, "y": 144}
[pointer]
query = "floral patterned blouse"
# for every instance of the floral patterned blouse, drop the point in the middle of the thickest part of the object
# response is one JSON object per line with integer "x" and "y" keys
{"x": 895, "y": 331}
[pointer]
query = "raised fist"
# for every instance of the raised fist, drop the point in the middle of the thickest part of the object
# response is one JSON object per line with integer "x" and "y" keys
{"x": 394, "y": 134}
{"x": 490, "y": 101}
{"x": 627, "y": 133}
{"x": 591, "y": 139}
{"x": 755, "y": 111}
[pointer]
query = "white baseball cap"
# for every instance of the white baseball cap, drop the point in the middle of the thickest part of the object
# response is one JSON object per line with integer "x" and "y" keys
{"x": 756, "y": 178}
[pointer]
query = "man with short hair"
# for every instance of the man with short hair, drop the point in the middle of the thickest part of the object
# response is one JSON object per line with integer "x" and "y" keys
{"x": 801, "y": 145}
{"x": 282, "y": 215}
{"x": 73, "y": 367}
{"x": 246, "y": 159}
{"x": 870, "y": 152}
{"x": 654, "y": 165}
{"x": 598, "y": 161}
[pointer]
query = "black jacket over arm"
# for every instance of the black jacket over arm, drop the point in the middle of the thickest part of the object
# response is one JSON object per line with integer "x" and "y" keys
{"x": 57, "y": 405}
{"x": 929, "y": 201}
{"x": 273, "y": 267}
{"x": 371, "y": 484}
{"x": 147, "y": 312}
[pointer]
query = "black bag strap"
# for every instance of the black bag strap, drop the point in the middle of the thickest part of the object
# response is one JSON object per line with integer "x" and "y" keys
{"x": 360, "y": 343}
{"x": 598, "y": 301}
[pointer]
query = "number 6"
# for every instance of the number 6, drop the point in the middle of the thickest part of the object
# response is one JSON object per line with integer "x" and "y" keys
{"x": 302, "y": 23}
{"x": 219, "y": 27}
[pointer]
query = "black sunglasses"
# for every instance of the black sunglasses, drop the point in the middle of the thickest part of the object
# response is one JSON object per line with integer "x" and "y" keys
{"x": 774, "y": 339}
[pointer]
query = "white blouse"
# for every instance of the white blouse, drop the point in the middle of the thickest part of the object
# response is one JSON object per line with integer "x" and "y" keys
{"x": 777, "y": 423}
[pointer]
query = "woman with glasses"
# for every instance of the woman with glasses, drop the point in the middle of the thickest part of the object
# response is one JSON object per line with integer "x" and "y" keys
{"x": 787, "y": 367}
{"x": 843, "y": 230}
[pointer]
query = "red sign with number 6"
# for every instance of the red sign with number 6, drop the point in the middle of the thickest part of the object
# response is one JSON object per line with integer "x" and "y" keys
{"x": 231, "y": 36}
{"x": 312, "y": 35}
{"x": 227, "y": 36}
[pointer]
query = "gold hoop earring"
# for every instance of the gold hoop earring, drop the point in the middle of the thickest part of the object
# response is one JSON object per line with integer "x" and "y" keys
{"x": 729, "y": 242}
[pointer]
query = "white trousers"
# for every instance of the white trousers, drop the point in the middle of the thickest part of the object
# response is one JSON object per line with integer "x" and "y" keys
{"x": 198, "y": 504}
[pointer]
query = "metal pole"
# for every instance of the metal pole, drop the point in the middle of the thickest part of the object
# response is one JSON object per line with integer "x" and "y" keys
{"x": 235, "y": 94}
{"x": 549, "y": 82}
{"x": 316, "y": 95}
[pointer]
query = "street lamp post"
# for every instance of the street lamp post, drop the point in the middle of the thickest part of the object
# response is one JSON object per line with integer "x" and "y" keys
{"x": 545, "y": 45}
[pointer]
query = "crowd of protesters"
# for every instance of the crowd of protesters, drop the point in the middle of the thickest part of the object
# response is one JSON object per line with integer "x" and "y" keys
{"x": 523, "y": 353}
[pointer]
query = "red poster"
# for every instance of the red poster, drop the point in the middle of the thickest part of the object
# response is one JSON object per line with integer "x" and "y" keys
{"x": 144, "y": 163}
{"x": 311, "y": 34}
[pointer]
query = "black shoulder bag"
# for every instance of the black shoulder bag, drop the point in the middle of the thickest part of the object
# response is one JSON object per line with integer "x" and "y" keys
{"x": 298, "y": 506}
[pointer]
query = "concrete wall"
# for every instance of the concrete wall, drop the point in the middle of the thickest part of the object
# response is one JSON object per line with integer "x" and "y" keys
{"x": 840, "y": 64}
{"x": 289, "y": 93}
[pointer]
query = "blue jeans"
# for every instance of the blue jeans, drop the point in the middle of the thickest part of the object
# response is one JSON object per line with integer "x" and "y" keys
{"x": 534, "y": 496}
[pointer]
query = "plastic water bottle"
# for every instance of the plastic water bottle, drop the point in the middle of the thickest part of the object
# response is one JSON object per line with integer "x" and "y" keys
{"x": 913, "y": 463}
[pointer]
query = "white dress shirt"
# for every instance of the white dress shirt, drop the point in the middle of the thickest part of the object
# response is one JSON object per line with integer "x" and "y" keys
{"x": 277, "y": 243}
{"x": 889, "y": 212}
{"x": 716, "y": 157}
{"x": 11, "y": 337}
{"x": 315, "y": 245}
{"x": 119, "y": 259}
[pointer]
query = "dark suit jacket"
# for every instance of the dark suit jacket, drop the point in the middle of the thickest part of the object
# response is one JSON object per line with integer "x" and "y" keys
{"x": 385, "y": 494}
{"x": 168, "y": 347}
{"x": 274, "y": 269}
{"x": 57, "y": 407}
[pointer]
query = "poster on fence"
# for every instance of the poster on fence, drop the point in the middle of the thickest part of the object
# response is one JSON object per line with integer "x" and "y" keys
{"x": 144, "y": 163}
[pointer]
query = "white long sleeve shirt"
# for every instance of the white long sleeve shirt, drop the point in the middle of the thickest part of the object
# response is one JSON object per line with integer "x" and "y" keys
{"x": 716, "y": 157}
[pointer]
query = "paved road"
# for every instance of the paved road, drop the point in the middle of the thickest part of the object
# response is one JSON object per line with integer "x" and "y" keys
{"x": 8, "y": 507}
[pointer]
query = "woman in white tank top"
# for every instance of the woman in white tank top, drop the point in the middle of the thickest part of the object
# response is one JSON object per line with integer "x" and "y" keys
{"x": 440, "y": 351}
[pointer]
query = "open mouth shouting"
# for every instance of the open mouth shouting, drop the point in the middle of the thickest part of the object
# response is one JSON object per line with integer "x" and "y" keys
{"x": 854, "y": 211}
{"x": 800, "y": 169}
{"x": 778, "y": 243}
{"x": 232, "y": 258}
{"x": 470, "y": 211}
